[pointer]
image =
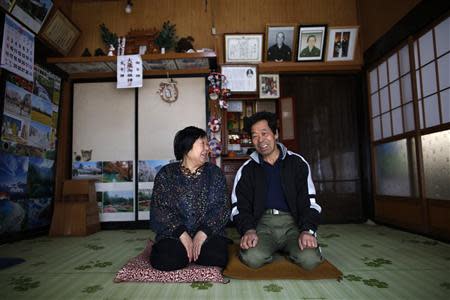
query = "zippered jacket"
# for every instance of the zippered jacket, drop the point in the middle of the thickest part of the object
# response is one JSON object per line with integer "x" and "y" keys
{"x": 250, "y": 191}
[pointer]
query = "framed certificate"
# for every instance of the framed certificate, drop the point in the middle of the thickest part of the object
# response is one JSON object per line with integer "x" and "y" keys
{"x": 243, "y": 48}
{"x": 60, "y": 32}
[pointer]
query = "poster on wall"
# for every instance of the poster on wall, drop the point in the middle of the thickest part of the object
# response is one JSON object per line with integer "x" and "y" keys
{"x": 17, "y": 49}
{"x": 32, "y": 13}
{"x": 147, "y": 171}
{"x": 129, "y": 71}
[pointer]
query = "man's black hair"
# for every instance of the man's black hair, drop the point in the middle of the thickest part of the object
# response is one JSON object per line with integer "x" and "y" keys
{"x": 271, "y": 119}
{"x": 311, "y": 36}
{"x": 185, "y": 139}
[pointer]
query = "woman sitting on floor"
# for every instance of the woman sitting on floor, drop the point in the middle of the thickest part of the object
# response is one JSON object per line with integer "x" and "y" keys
{"x": 189, "y": 207}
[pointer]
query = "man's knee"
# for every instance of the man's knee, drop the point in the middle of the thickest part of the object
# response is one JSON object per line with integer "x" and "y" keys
{"x": 308, "y": 259}
{"x": 255, "y": 258}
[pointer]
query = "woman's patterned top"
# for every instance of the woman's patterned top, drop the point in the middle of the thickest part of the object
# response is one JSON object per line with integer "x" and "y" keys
{"x": 185, "y": 203}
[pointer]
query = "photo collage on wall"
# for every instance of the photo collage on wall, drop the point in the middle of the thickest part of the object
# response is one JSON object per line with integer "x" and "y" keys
{"x": 115, "y": 184}
{"x": 27, "y": 152}
{"x": 147, "y": 173}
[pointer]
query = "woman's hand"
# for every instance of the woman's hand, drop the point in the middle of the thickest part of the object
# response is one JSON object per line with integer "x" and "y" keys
{"x": 186, "y": 240}
{"x": 199, "y": 239}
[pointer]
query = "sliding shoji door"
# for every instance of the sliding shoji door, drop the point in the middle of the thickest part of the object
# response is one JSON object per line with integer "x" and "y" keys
{"x": 409, "y": 102}
{"x": 158, "y": 123}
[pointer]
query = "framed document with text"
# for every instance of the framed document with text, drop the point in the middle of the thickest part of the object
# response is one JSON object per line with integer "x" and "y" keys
{"x": 243, "y": 48}
{"x": 241, "y": 78}
{"x": 60, "y": 32}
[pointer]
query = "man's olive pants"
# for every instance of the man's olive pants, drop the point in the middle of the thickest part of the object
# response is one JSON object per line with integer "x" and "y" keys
{"x": 279, "y": 233}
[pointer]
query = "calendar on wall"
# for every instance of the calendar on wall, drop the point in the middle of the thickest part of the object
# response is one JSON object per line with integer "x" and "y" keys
{"x": 17, "y": 49}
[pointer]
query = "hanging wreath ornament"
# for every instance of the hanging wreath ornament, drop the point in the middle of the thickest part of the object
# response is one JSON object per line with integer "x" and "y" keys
{"x": 214, "y": 124}
{"x": 168, "y": 90}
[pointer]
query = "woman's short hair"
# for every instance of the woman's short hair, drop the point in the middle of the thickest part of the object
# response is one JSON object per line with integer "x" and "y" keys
{"x": 185, "y": 139}
{"x": 271, "y": 119}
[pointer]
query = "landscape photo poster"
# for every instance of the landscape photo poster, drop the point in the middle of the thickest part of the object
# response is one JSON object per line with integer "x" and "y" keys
{"x": 27, "y": 152}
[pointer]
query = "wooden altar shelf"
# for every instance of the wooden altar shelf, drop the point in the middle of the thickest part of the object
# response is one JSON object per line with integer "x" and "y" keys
{"x": 154, "y": 64}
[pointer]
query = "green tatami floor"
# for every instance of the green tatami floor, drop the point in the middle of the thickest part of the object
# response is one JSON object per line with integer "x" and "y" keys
{"x": 377, "y": 262}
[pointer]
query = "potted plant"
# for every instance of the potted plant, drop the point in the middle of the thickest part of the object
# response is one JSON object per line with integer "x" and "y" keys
{"x": 167, "y": 38}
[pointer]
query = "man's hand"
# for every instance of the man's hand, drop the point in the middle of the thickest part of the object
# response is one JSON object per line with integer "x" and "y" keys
{"x": 249, "y": 239}
{"x": 306, "y": 240}
{"x": 199, "y": 239}
{"x": 186, "y": 240}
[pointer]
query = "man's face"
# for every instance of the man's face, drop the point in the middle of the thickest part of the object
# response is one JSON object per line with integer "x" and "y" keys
{"x": 263, "y": 138}
{"x": 280, "y": 39}
{"x": 311, "y": 41}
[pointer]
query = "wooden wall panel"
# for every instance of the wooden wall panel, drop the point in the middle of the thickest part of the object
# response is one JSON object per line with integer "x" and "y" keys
{"x": 402, "y": 213}
{"x": 377, "y": 17}
{"x": 439, "y": 218}
{"x": 195, "y": 17}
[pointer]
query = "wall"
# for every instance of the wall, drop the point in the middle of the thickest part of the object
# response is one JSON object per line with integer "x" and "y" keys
{"x": 196, "y": 17}
{"x": 377, "y": 17}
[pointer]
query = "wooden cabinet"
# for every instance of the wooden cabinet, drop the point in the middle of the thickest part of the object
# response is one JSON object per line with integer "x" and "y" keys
{"x": 77, "y": 214}
{"x": 230, "y": 166}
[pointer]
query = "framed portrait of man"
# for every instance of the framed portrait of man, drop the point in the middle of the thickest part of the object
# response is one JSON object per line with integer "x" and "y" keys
{"x": 311, "y": 42}
{"x": 341, "y": 43}
{"x": 280, "y": 42}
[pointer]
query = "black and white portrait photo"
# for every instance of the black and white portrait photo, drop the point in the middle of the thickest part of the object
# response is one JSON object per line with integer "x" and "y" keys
{"x": 279, "y": 42}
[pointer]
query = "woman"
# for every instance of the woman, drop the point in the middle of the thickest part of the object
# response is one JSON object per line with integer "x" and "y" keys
{"x": 189, "y": 207}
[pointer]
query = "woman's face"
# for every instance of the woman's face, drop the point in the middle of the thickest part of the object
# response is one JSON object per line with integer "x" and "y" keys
{"x": 199, "y": 152}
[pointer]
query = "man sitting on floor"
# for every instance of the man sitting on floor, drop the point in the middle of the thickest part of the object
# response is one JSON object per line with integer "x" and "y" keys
{"x": 273, "y": 200}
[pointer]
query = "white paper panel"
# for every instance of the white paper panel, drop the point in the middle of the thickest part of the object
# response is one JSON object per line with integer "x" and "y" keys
{"x": 375, "y": 105}
{"x": 442, "y": 33}
{"x": 382, "y": 74}
{"x": 444, "y": 71}
{"x": 426, "y": 48}
{"x": 386, "y": 123}
{"x": 395, "y": 94}
{"x": 432, "y": 111}
{"x": 408, "y": 115}
{"x": 445, "y": 106}
{"x": 159, "y": 120}
{"x": 429, "y": 79}
{"x": 397, "y": 120}
{"x": 373, "y": 81}
{"x": 393, "y": 67}
{"x": 406, "y": 88}
{"x": 384, "y": 100}
{"x": 404, "y": 60}
{"x": 376, "y": 128}
{"x": 103, "y": 120}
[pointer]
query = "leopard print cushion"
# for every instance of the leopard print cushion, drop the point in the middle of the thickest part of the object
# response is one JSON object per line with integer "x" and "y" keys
{"x": 139, "y": 269}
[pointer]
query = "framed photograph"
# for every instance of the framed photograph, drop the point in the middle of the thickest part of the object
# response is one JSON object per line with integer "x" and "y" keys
{"x": 269, "y": 86}
{"x": 241, "y": 78}
{"x": 311, "y": 42}
{"x": 243, "y": 48}
{"x": 60, "y": 32}
{"x": 341, "y": 43}
{"x": 32, "y": 13}
{"x": 279, "y": 42}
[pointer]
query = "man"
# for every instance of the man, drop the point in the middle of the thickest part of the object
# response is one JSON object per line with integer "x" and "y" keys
{"x": 311, "y": 50}
{"x": 280, "y": 51}
{"x": 273, "y": 201}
